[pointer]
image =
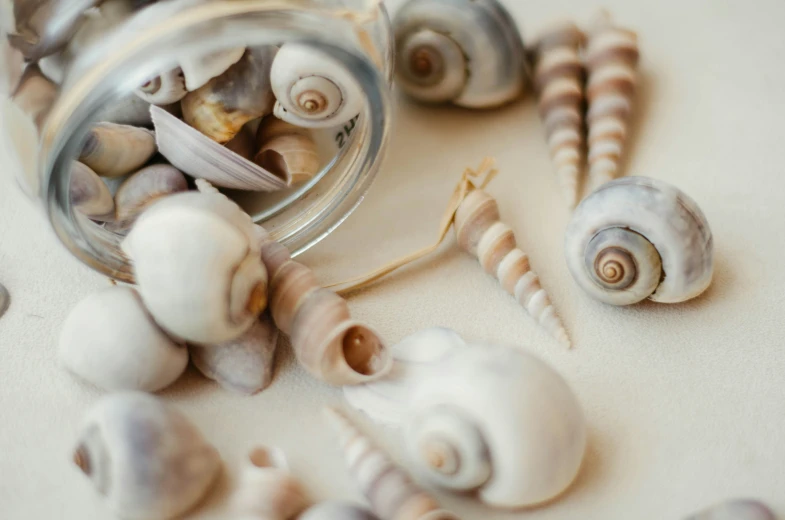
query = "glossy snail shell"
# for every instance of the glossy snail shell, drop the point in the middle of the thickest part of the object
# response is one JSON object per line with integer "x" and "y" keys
{"x": 637, "y": 238}
{"x": 468, "y": 52}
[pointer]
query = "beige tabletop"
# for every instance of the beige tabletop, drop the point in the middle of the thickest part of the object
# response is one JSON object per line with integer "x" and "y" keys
{"x": 684, "y": 403}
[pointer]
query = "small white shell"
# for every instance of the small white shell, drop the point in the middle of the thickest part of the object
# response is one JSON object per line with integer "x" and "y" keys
{"x": 88, "y": 193}
{"x": 197, "y": 262}
{"x": 145, "y": 457}
{"x": 113, "y": 150}
{"x": 267, "y": 489}
{"x": 109, "y": 340}
{"x": 638, "y": 238}
{"x": 524, "y": 450}
{"x": 243, "y": 365}
{"x": 313, "y": 89}
{"x": 736, "y": 510}
{"x": 144, "y": 187}
{"x": 333, "y": 510}
{"x": 468, "y": 52}
{"x": 165, "y": 89}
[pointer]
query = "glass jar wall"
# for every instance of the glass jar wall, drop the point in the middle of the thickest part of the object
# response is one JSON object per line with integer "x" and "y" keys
{"x": 283, "y": 105}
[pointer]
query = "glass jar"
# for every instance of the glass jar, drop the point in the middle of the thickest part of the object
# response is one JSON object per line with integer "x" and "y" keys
{"x": 128, "y": 45}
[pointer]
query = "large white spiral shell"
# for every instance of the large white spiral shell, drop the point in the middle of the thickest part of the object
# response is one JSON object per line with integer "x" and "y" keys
{"x": 468, "y": 52}
{"x": 638, "y": 238}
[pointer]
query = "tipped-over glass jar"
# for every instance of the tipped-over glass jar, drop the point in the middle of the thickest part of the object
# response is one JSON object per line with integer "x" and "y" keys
{"x": 110, "y": 105}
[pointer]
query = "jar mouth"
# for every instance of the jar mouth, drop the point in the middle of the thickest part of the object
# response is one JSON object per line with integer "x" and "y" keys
{"x": 298, "y": 218}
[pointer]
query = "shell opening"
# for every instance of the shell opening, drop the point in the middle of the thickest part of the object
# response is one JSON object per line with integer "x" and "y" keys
{"x": 152, "y": 86}
{"x": 82, "y": 459}
{"x": 274, "y": 163}
{"x": 363, "y": 351}
{"x": 257, "y": 301}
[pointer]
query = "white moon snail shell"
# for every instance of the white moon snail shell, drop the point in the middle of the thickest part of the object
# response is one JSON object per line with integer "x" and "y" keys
{"x": 524, "y": 450}
{"x": 468, "y": 52}
{"x": 312, "y": 88}
{"x": 638, "y": 238}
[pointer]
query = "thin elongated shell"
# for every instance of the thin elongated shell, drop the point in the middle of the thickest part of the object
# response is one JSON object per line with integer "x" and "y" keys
{"x": 144, "y": 457}
{"x": 429, "y": 36}
{"x": 88, "y": 193}
{"x": 143, "y": 188}
{"x": 736, "y": 510}
{"x": 640, "y": 229}
{"x": 287, "y": 150}
{"x": 202, "y": 158}
{"x": 113, "y": 150}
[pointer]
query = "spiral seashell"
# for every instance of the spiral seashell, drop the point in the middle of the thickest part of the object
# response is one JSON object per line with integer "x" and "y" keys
{"x": 267, "y": 490}
{"x": 313, "y": 89}
{"x": 558, "y": 75}
{"x": 524, "y": 450}
{"x": 144, "y": 457}
{"x": 286, "y": 150}
{"x": 196, "y": 260}
{"x": 481, "y": 233}
{"x": 243, "y": 365}
{"x": 390, "y": 491}
{"x": 639, "y": 238}
{"x": 165, "y": 89}
{"x": 35, "y": 94}
{"x": 144, "y": 187}
{"x": 334, "y": 510}
{"x": 111, "y": 341}
{"x": 467, "y": 52}
{"x": 611, "y": 59}
{"x": 326, "y": 340}
{"x": 221, "y": 107}
{"x": 736, "y": 510}
{"x": 113, "y": 150}
{"x": 42, "y": 27}
{"x": 88, "y": 193}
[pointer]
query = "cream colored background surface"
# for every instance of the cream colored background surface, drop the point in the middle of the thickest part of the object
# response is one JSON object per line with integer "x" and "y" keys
{"x": 684, "y": 403}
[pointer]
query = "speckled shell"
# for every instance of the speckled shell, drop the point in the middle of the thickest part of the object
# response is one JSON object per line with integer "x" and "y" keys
{"x": 479, "y": 36}
{"x": 481, "y": 233}
{"x": 648, "y": 211}
{"x": 113, "y": 150}
{"x": 524, "y": 450}
{"x": 144, "y": 457}
{"x": 736, "y": 510}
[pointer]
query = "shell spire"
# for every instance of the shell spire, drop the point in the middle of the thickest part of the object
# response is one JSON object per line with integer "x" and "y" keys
{"x": 612, "y": 59}
{"x": 389, "y": 489}
{"x": 558, "y": 75}
{"x": 480, "y": 232}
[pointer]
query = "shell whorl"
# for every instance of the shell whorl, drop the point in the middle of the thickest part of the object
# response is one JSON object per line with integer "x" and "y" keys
{"x": 389, "y": 489}
{"x": 286, "y": 150}
{"x": 327, "y": 341}
{"x": 480, "y": 232}
{"x": 558, "y": 76}
{"x": 612, "y": 58}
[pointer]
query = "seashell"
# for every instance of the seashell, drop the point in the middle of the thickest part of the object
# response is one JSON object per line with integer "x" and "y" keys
{"x": 558, "y": 75}
{"x": 143, "y": 188}
{"x": 5, "y": 300}
{"x": 243, "y": 365}
{"x": 88, "y": 193}
{"x": 223, "y": 105}
{"x": 524, "y": 450}
{"x": 35, "y": 94}
{"x": 736, "y": 510}
{"x": 267, "y": 490}
{"x": 198, "y": 70}
{"x": 313, "y": 89}
{"x": 385, "y": 400}
{"x": 326, "y": 340}
{"x": 202, "y": 158}
{"x": 128, "y": 110}
{"x": 481, "y": 233}
{"x": 42, "y": 27}
{"x": 286, "y": 150}
{"x": 639, "y": 238}
{"x": 611, "y": 58}
{"x": 197, "y": 264}
{"x": 390, "y": 491}
{"x": 145, "y": 457}
{"x": 467, "y": 52}
{"x": 244, "y": 143}
{"x": 334, "y": 510}
{"x": 165, "y": 89}
{"x": 111, "y": 341}
{"x": 113, "y": 150}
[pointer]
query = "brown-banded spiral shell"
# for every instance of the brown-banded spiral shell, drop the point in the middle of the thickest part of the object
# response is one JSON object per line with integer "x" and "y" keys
{"x": 312, "y": 88}
{"x": 524, "y": 450}
{"x": 334, "y": 510}
{"x": 468, "y": 52}
{"x": 244, "y": 364}
{"x": 111, "y": 341}
{"x": 481, "y": 233}
{"x": 141, "y": 189}
{"x": 558, "y": 76}
{"x": 144, "y": 457}
{"x": 221, "y": 107}
{"x": 735, "y": 510}
{"x": 390, "y": 491}
{"x": 286, "y": 150}
{"x": 639, "y": 238}
{"x": 113, "y": 150}
{"x": 196, "y": 260}
{"x": 88, "y": 193}
{"x": 326, "y": 340}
